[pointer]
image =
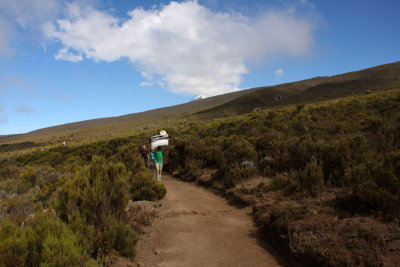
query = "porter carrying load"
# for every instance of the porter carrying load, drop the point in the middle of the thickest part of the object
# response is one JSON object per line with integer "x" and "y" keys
{"x": 159, "y": 140}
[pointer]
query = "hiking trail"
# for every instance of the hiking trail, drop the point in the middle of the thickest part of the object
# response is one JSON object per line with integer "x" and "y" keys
{"x": 198, "y": 228}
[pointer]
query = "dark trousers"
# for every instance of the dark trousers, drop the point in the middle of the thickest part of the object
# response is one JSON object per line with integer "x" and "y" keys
{"x": 152, "y": 165}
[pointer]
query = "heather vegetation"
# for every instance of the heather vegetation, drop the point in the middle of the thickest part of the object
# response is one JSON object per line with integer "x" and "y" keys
{"x": 327, "y": 183}
{"x": 66, "y": 206}
{"x": 332, "y": 173}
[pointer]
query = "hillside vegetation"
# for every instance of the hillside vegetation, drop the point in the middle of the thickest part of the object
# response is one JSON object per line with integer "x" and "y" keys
{"x": 323, "y": 176}
{"x": 383, "y": 77}
{"x": 330, "y": 174}
{"x": 66, "y": 206}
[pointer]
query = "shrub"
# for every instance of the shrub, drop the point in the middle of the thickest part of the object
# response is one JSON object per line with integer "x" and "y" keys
{"x": 238, "y": 149}
{"x": 19, "y": 207}
{"x": 144, "y": 187}
{"x": 280, "y": 182}
{"x": 116, "y": 235}
{"x": 54, "y": 159}
{"x": 236, "y": 174}
{"x": 28, "y": 178}
{"x": 312, "y": 179}
{"x": 8, "y": 171}
{"x": 93, "y": 201}
{"x": 46, "y": 242}
{"x": 128, "y": 155}
{"x": 100, "y": 190}
{"x": 13, "y": 245}
{"x": 277, "y": 218}
{"x": 335, "y": 155}
{"x": 299, "y": 107}
{"x": 83, "y": 231}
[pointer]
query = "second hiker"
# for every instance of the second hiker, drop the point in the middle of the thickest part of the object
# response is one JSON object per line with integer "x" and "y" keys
{"x": 159, "y": 159}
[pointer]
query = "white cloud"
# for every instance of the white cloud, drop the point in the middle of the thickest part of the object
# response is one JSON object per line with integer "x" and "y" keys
{"x": 25, "y": 110}
{"x": 28, "y": 15}
{"x": 64, "y": 54}
{"x": 161, "y": 84}
{"x": 279, "y": 72}
{"x": 145, "y": 84}
{"x": 308, "y": 3}
{"x": 192, "y": 49}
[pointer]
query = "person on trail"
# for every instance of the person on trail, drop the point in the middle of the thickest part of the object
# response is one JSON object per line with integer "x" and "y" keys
{"x": 158, "y": 159}
{"x": 152, "y": 162}
{"x": 144, "y": 156}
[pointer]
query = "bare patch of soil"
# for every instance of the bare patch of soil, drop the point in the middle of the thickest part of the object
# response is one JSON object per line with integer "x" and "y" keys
{"x": 195, "y": 227}
{"x": 314, "y": 231}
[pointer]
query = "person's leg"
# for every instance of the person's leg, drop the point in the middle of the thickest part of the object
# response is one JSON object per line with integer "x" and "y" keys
{"x": 160, "y": 170}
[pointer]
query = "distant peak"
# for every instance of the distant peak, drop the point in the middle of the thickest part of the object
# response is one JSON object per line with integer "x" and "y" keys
{"x": 199, "y": 97}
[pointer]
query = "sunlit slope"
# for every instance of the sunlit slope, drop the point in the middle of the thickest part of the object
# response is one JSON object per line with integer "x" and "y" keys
{"x": 383, "y": 77}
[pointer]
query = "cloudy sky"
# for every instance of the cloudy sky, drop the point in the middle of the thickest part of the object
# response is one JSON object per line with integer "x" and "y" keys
{"x": 65, "y": 61}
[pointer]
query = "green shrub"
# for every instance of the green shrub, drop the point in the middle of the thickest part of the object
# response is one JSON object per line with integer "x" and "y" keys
{"x": 47, "y": 241}
{"x": 238, "y": 149}
{"x": 312, "y": 179}
{"x": 335, "y": 156}
{"x": 144, "y": 187}
{"x": 13, "y": 245}
{"x": 94, "y": 199}
{"x": 26, "y": 178}
{"x": 280, "y": 182}
{"x": 18, "y": 208}
{"x": 128, "y": 155}
{"x": 83, "y": 231}
{"x": 8, "y": 171}
{"x": 52, "y": 243}
{"x": 116, "y": 235}
{"x": 236, "y": 174}
{"x": 279, "y": 216}
{"x": 54, "y": 159}
{"x": 100, "y": 190}
{"x": 299, "y": 107}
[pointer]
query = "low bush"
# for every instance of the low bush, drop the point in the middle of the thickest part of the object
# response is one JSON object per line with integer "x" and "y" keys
{"x": 46, "y": 241}
{"x": 311, "y": 179}
{"x": 97, "y": 191}
{"x": 144, "y": 187}
{"x": 340, "y": 144}
{"x": 234, "y": 175}
{"x": 92, "y": 202}
{"x": 13, "y": 245}
{"x": 115, "y": 235}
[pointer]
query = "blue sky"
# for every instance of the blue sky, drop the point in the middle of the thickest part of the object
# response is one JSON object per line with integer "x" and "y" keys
{"x": 67, "y": 61}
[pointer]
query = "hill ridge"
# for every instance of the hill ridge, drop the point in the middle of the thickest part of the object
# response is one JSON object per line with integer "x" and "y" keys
{"x": 314, "y": 89}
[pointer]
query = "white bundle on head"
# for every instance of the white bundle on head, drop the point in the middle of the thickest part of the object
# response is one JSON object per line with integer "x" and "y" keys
{"x": 163, "y": 133}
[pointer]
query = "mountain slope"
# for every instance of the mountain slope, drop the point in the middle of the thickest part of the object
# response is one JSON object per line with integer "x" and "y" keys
{"x": 382, "y": 77}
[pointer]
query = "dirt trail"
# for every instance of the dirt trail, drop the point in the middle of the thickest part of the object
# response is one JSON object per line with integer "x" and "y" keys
{"x": 198, "y": 228}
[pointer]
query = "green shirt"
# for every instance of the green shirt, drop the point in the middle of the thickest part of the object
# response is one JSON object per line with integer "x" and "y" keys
{"x": 158, "y": 158}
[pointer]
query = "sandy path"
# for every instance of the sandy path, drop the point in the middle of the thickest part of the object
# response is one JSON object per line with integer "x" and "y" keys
{"x": 198, "y": 228}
